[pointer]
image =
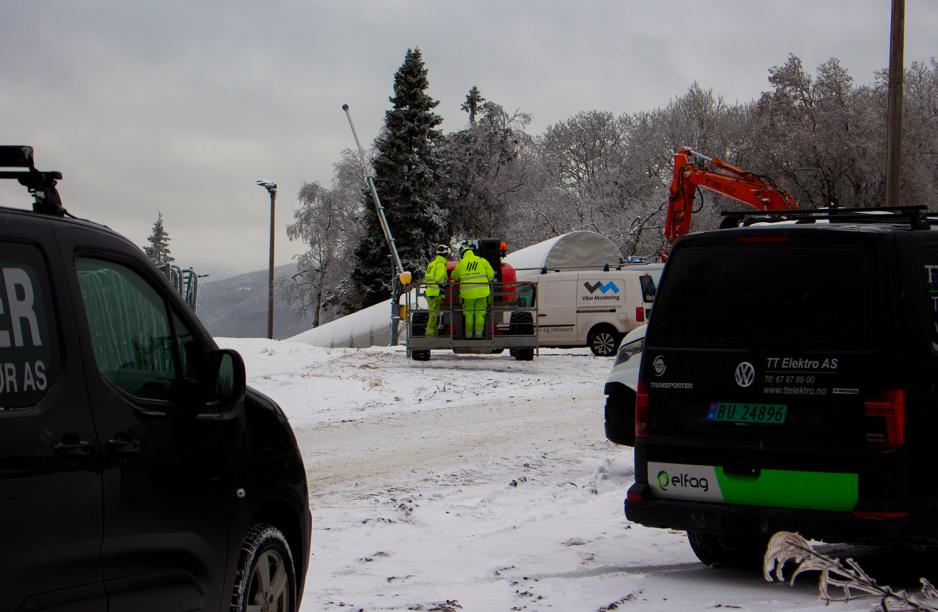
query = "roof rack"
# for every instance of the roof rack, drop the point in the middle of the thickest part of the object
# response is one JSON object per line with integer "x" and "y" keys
{"x": 916, "y": 216}
{"x": 41, "y": 185}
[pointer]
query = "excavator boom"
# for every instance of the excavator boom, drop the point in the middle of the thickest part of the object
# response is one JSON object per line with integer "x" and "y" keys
{"x": 693, "y": 170}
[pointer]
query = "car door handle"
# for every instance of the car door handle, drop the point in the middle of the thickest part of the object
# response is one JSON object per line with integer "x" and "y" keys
{"x": 541, "y": 314}
{"x": 71, "y": 446}
{"x": 122, "y": 444}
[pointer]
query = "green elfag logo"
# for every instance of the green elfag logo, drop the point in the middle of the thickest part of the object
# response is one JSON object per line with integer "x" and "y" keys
{"x": 664, "y": 479}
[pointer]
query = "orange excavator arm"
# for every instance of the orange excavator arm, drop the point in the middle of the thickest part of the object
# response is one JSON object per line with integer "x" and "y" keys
{"x": 693, "y": 170}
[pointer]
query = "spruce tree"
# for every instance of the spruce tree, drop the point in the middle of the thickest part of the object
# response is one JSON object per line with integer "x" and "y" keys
{"x": 157, "y": 248}
{"x": 406, "y": 178}
{"x": 473, "y": 104}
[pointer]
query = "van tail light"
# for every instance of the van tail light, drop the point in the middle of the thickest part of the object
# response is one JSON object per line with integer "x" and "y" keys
{"x": 641, "y": 410}
{"x": 885, "y": 419}
{"x": 901, "y": 514}
{"x": 639, "y": 314}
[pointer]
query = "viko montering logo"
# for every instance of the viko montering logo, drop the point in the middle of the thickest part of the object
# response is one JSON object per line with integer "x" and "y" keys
{"x": 684, "y": 480}
{"x": 601, "y": 287}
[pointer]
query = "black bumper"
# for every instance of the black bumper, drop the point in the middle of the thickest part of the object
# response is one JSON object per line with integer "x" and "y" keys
{"x": 920, "y": 528}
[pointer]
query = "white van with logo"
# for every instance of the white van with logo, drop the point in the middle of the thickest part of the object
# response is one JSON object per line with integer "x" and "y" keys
{"x": 594, "y": 308}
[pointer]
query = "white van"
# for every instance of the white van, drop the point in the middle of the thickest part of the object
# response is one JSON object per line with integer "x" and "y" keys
{"x": 594, "y": 308}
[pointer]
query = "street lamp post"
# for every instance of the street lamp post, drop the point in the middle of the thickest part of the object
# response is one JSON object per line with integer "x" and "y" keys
{"x": 272, "y": 190}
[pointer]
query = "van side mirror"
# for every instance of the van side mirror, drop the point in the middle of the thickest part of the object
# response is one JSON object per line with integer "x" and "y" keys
{"x": 225, "y": 379}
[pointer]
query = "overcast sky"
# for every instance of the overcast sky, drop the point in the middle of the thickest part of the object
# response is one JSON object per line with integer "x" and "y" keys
{"x": 180, "y": 106}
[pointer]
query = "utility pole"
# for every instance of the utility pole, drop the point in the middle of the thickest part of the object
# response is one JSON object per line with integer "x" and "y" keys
{"x": 894, "y": 116}
{"x": 402, "y": 277}
{"x": 272, "y": 190}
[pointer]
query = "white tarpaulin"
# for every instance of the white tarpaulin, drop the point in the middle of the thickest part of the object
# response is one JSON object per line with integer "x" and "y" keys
{"x": 572, "y": 251}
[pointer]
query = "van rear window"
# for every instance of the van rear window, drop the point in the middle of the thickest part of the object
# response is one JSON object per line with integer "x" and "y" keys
{"x": 766, "y": 296}
{"x": 648, "y": 287}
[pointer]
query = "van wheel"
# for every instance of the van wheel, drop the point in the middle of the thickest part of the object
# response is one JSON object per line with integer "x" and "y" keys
{"x": 740, "y": 551}
{"x": 521, "y": 324}
{"x": 522, "y": 354}
{"x": 620, "y": 417}
{"x": 266, "y": 578}
{"x": 603, "y": 340}
{"x": 420, "y": 355}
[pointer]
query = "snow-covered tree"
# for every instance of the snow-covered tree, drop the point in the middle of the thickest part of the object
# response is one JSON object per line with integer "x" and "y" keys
{"x": 919, "y": 184}
{"x": 328, "y": 222}
{"x": 157, "y": 247}
{"x": 822, "y": 137}
{"x": 473, "y": 104}
{"x": 483, "y": 172}
{"x": 406, "y": 178}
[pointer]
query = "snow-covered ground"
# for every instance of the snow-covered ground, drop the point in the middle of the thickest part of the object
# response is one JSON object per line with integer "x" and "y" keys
{"x": 479, "y": 483}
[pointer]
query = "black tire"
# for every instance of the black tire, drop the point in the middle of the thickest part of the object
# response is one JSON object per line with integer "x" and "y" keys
{"x": 620, "y": 417}
{"x": 420, "y": 355}
{"x": 603, "y": 340}
{"x": 524, "y": 354}
{"x": 738, "y": 550}
{"x": 265, "y": 558}
{"x": 521, "y": 324}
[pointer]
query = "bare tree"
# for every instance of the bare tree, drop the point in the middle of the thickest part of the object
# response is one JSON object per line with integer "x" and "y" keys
{"x": 840, "y": 580}
{"x": 919, "y": 183}
{"x": 584, "y": 158}
{"x": 328, "y": 221}
{"x": 821, "y": 137}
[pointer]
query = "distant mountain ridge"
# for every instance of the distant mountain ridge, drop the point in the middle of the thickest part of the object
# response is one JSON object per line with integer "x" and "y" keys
{"x": 236, "y": 307}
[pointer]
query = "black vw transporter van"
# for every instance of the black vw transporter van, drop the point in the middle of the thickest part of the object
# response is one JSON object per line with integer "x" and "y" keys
{"x": 789, "y": 381}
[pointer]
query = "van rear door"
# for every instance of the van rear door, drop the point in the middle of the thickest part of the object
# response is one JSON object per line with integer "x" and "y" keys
{"x": 761, "y": 355}
{"x": 556, "y": 308}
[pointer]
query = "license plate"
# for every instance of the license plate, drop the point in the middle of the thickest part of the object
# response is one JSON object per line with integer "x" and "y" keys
{"x": 735, "y": 412}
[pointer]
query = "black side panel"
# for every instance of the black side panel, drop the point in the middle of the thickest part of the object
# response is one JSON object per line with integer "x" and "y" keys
{"x": 168, "y": 477}
{"x": 50, "y": 478}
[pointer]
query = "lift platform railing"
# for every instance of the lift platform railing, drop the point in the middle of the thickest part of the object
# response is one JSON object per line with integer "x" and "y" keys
{"x": 184, "y": 281}
{"x": 511, "y": 317}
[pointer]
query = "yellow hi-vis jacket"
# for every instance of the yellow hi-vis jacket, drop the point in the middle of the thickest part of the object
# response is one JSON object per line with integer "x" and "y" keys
{"x": 473, "y": 273}
{"x": 435, "y": 276}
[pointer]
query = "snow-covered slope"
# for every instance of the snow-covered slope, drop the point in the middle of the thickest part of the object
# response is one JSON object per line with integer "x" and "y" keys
{"x": 479, "y": 483}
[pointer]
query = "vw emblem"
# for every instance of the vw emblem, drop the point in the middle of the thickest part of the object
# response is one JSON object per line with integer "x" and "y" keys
{"x": 745, "y": 374}
{"x": 659, "y": 365}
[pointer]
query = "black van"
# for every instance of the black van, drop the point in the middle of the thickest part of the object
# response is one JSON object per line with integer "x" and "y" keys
{"x": 137, "y": 471}
{"x": 789, "y": 381}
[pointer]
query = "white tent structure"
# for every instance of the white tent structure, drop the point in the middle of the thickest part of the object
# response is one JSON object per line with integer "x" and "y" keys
{"x": 577, "y": 250}
{"x": 372, "y": 326}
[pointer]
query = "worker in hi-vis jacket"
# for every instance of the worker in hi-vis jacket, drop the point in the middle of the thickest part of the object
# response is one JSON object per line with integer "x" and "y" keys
{"x": 435, "y": 280}
{"x": 473, "y": 274}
